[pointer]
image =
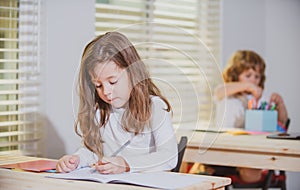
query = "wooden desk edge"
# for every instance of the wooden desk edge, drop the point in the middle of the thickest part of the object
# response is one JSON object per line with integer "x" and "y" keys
{"x": 15, "y": 179}
{"x": 8, "y": 176}
{"x": 246, "y": 159}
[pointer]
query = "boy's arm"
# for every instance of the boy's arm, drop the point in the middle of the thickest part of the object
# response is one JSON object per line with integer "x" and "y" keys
{"x": 231, "y": 88}
{"x": 280, "y": 107}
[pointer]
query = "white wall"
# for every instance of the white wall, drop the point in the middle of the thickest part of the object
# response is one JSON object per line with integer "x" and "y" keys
{"x": 243, "y": 27}
{"x": 272, "y": 29}
{"x": 67, "y": 27}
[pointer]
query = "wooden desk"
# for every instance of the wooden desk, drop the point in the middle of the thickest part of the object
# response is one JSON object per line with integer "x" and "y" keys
{"x": 13, "y": 180}
{"x": 253, "y": 151}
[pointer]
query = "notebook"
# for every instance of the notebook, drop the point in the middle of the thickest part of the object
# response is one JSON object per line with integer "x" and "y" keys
{"x": 35, "y": 166}
{"x": 162, "y": 180}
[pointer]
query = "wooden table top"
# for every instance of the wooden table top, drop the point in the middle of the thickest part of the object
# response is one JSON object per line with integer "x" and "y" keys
{"x": 254, "y": 151}
{"x": 14, "y": 180}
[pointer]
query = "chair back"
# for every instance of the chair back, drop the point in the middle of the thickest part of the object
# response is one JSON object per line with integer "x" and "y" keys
{"x": 181, "y": 149}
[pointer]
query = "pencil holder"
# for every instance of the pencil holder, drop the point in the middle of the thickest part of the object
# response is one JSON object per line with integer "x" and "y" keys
{"x": 261, "y": 120}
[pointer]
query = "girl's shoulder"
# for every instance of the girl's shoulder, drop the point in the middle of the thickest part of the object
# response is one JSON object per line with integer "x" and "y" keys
{"x": 158, "y": 103}
{"x": 155, "y": 98}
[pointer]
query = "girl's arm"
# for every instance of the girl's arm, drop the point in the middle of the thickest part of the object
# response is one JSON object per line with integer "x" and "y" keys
{"x": 231, "y": 88}
{"x": 86, "y": 157}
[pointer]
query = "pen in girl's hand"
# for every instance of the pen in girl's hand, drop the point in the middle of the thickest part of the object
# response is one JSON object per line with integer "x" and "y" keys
{"x": 94, "y": 166}
{"x": 121, "y": 148}
{"x": 113, "y": 155}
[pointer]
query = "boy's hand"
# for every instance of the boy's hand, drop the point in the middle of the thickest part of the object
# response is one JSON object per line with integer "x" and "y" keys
{"x": 67, "y": 163}
{"x": 280, "y": 107}
{"x": 112, "y": 165}
{"x": 256, "y": 91}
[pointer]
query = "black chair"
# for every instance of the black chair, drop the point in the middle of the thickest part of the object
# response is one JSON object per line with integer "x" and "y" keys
{"x": 181, "y": 149}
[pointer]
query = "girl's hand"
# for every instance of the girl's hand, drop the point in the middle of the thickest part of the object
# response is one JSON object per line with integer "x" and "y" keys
{"x": 67, "y": 163}
{"x": 112, "y": 165}
{"x": 256, "y": 91}
{"x": 280, "y": 107}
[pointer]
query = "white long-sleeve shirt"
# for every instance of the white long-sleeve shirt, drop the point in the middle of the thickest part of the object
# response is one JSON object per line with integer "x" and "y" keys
{"x": 230, "y": 111}
{"x": 153, "y": 149}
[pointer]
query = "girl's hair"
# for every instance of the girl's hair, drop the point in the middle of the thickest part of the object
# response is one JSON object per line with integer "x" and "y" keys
{"x": 241, "y": 61}
{"x": 115, "y": 47}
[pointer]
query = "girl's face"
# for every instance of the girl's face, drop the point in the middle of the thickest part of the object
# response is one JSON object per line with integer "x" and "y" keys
{"x": 251, "y": 76}
{"x": 112, "y": 84}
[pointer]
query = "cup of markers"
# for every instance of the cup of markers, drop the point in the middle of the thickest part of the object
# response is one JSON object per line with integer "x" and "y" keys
{"x": 261, "y": 117}
{"x": 252, "y": 105}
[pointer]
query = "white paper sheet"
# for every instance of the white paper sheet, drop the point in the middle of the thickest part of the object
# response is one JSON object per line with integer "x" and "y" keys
{"x": 163, "y": 180}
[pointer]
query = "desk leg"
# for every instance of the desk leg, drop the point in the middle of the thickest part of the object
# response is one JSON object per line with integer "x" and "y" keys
{"x": 184, "y": 167}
